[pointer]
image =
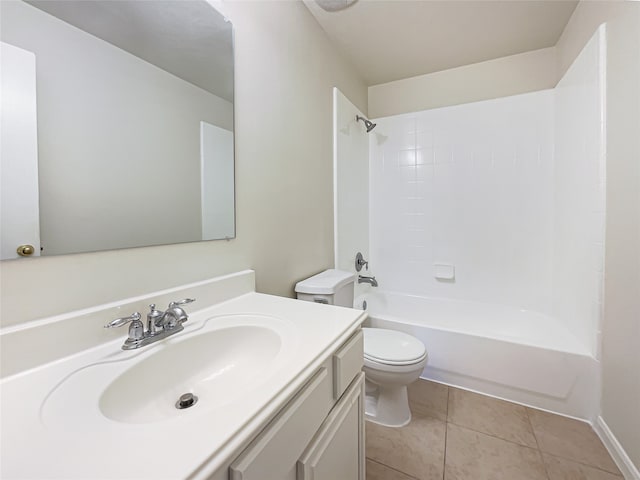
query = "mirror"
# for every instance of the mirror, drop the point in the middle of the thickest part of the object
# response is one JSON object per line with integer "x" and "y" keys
{"x": 133, "y": 118}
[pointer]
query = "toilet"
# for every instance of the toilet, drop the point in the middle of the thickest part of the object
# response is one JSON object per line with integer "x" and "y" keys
{"x": 392, "y": 359}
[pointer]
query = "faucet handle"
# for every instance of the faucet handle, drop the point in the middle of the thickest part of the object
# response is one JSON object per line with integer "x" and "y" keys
{"x": 361, "y": 262}
{"x": 184, "y": 301}
{"x": 118, "y": 322}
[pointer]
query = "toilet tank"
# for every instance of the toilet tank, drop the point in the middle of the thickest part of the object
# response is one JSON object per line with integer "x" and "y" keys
{"x": 334, "y": 287}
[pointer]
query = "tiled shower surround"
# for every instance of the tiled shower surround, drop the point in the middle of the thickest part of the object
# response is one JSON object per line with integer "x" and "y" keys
{"x": 508, "y": 192}
{"x": 469, "y": 186}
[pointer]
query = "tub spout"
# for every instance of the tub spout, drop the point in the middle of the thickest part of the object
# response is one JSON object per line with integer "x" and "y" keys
{"x": 370, "y": 280}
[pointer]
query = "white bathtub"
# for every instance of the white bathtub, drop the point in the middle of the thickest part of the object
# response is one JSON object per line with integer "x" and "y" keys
{"x": 522, "y": 356}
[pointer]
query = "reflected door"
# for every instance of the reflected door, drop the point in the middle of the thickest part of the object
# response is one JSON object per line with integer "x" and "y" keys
{"x": 217, "y": 189}
{"x": 20, "y": 224}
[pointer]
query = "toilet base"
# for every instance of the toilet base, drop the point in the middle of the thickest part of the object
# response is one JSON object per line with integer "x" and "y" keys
{"x": 387, "y": 406}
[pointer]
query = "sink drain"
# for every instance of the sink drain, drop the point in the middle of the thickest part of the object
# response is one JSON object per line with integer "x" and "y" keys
{"x": 186, "y": 400}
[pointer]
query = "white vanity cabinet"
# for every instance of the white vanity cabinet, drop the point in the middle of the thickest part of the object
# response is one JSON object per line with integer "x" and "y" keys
{"x": 319, "y": 433}
{"x": 279, "y": 385}
{"x": 337, "y": 449}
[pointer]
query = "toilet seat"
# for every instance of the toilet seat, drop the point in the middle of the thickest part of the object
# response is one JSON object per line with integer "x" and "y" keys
{"x": 390, "y": 347}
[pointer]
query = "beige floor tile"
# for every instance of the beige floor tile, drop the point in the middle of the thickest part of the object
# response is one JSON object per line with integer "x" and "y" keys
{"x": 377, "y": 471}
{"x": 489, "y": 415}
{"x": 571, "y": 439}
{"x": 562, "y": 469}
{"x": 429, "y": 398}
{"x": 416, "y": 449}
{"x": 475, "y": 456}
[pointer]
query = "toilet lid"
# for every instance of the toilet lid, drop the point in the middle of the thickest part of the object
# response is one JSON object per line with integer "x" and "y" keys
{"x": 392, "y": 347}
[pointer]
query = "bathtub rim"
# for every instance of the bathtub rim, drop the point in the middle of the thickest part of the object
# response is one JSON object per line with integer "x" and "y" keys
{"x": 576, "y": 348}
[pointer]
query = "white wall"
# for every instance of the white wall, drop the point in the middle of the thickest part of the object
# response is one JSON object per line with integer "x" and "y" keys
{"x": 620, "y": 327}
{"x": 285, "y": 69}
{"x": 106, "y": 119}
{"x": 501, "y": 77}
{"x": 469, "y": 186}
{"x": 579, "y": 194}
{"x": 351, "y": 183}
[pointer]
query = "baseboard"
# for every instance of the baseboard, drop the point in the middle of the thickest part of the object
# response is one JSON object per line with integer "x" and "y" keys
{"x": 624, "y": 463}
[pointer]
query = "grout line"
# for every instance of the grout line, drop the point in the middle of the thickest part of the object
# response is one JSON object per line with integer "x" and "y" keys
{"x": 444, "y": 456}
{"x": 446, "y": 434}
{"x": 540, "y": 452}
{"x": 391, "y": 468}
{"x": 553, "y": 454}
{"x": 533, "y": 430}
{"x": 466, "y": 427}
{"x": 537, "y": 447}
{"x": 585, "y": 464}
{"x": 448, "y": 396}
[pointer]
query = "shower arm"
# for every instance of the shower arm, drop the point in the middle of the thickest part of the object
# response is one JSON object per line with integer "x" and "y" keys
{"x": 369, "y": 125}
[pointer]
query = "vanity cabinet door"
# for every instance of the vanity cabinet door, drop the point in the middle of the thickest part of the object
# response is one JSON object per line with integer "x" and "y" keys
{"x": 347, "y": 363}
{"x": 273, "y": 454}
{"x": 337, "y": 450}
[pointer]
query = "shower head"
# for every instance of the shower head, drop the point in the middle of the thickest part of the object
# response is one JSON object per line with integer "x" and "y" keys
{"x": 367, "y": 123}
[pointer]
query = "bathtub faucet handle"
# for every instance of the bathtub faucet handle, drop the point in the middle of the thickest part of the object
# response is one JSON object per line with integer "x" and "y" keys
{"x": 361, "y": 262}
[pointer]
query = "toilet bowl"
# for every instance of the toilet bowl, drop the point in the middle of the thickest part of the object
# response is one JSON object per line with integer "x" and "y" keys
{"x": 392, "y": 359}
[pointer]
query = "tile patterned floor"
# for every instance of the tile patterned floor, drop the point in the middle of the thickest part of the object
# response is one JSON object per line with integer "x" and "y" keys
{"x": 460, "y": 435}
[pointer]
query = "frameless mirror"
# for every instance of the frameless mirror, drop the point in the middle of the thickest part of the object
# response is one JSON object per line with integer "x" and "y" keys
{"x": 118, "y": 117}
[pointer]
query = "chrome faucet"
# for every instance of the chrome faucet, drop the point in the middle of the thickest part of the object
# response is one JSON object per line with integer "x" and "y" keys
{"x": 174, "y": 315}
{"x": 370, "y": 280}
{"x": 159, "y": 324}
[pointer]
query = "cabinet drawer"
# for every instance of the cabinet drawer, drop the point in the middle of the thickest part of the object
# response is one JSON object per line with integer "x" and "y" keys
{"x": 337, "y": 450}
{"x": 273, "y": 454}
{"x": 347, "y": 363}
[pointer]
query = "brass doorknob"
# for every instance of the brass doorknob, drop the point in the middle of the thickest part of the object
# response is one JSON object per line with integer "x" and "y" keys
{"x": 25, "y": 250}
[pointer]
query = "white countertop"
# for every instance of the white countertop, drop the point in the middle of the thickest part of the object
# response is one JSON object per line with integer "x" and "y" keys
{"x": 44, "y": 435}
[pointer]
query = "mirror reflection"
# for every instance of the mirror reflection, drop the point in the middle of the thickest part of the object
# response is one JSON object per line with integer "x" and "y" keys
{"x": 117, "y": 124}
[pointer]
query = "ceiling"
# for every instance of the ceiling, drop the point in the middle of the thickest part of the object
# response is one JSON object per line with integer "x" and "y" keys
{"x": 189, "y": 39}
{"x": 389, "y": 40}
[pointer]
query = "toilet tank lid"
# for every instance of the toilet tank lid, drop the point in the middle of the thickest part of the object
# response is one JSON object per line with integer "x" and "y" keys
{"x": 325, "y": 283}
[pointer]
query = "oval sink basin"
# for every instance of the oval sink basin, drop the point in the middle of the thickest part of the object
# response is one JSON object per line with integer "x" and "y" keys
{"x": 217, "y": 367}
